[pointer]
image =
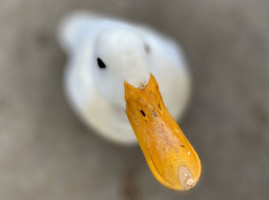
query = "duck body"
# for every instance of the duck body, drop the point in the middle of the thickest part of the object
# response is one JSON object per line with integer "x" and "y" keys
{"x": 78, "y": 36}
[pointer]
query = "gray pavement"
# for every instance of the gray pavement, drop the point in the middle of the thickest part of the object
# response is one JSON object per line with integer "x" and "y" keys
{"x": 47, "y": 153}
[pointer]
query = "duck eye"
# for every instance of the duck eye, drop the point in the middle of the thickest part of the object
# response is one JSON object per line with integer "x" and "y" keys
{"x": 101, "y": 64}
{"x": 147, "y": 48}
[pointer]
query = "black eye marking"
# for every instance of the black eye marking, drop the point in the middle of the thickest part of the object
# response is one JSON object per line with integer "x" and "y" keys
{"x": 147, "y": 48}
{"x": 101, "y": 64}
{"x": 143, "y": 113}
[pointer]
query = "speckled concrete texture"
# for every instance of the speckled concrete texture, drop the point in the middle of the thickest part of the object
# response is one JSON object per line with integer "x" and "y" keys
{"x": 47, "y": 153}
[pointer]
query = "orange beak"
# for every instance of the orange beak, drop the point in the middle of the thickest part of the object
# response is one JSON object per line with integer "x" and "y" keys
{"x": 170, "y": 156}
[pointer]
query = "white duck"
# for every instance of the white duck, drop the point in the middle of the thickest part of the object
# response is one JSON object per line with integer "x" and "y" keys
{"x": 110, "y": 84}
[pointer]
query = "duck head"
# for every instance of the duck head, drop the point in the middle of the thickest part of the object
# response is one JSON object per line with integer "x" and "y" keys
{"x": 121, "y": 71}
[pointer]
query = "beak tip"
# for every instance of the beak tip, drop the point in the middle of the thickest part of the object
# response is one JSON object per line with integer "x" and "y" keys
{"x": 190, "y": 183}
{"x": 185, "y": 178}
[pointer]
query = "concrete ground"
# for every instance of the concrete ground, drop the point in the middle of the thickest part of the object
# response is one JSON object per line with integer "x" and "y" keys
{"x": 47, "y": 153}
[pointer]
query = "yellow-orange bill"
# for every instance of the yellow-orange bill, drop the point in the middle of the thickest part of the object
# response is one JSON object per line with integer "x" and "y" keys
{"x": 170, "y": 156}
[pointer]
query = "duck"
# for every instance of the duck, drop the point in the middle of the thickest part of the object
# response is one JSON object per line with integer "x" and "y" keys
{"x": 129, "y": 83}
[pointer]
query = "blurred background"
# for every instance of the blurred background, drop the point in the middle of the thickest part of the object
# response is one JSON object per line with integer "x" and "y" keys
{"x": 47, "y": 153}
